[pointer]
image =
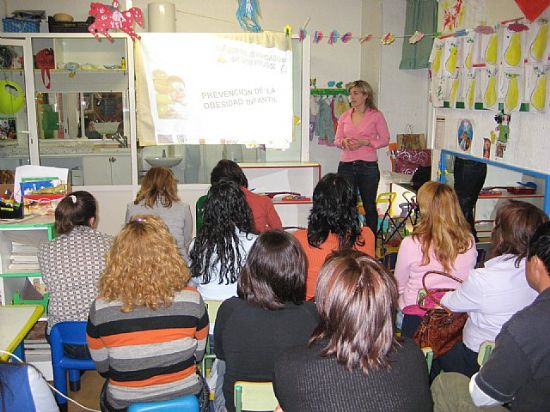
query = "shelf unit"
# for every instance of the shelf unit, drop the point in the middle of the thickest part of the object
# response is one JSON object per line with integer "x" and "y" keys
{"x": 19, "y": 242}
{"x": 299, "y": 177}
{"x": 486, "y": 225}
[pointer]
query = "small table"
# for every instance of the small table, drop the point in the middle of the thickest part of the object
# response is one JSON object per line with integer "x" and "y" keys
{"x": 15, "y": 322}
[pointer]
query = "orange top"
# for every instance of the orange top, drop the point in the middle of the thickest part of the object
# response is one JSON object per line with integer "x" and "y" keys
{"x": 316, "y": 256}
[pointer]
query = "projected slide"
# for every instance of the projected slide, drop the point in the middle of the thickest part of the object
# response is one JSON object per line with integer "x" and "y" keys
{"x": 215, "y": 88}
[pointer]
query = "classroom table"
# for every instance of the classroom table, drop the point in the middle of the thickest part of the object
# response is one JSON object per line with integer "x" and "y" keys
{"x": 15, "y": 322}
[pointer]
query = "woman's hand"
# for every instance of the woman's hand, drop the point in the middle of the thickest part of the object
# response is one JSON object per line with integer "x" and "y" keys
{"x": 356, "y": 144}
{"x": 278, "y": 409}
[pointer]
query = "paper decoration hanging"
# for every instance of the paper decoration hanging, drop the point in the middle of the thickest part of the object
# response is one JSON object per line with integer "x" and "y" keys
{"x": 537, "y": 85}
{"x": 452, "y": 15}
{"x": 288, "y": 30}
{"x": 346, "y": 37}
{"x": 302, "y": 35}
{"x": 364, "y": 39}
{"x": 388, "y": 39}
{"x": 532, "y": 8}
{"x": 513, "y": 91}
{"x": 110, "y": 17}
{"x": 333, "y": 38}
{"x": 416, "y": 37}
{"x": 247, "y": 15}
{"x": 513, "y": 48}
{"x": 317, "y": 37}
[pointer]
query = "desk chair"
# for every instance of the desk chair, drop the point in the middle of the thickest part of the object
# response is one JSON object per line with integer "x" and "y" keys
{"x": 73, "y": 333}
{"x": 187, "y": 403}
{"x": 254, "y": 396}
{"x": 485, "y": 350}
{"x": 212, "y": 307}
{"x": 429, "y": 355}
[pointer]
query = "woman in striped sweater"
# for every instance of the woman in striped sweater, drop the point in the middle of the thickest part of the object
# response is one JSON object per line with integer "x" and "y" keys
{"x": 147, "y": 329}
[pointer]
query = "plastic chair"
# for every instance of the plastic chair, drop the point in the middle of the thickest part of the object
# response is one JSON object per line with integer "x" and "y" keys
{"x": 485, "y": 350}
{"x": 187, "y": 403}
{"x": 429, "y": 355}
{"x": 212, "y": 307}
{"x": 254, "y": 396}
{"x": 198, "y": 212}
{"x": 73, "y": 333}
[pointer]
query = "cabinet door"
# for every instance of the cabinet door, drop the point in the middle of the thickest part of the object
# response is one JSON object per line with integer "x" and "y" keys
{"x": 121, "y": 170}
{"x": 97, "y": 170}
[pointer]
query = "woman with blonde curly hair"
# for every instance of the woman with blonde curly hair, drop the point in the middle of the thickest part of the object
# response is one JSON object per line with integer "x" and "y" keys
{"x": 442, "y": 241}
{"x": 146, "y": 329}
{"x": 158, "y": 196}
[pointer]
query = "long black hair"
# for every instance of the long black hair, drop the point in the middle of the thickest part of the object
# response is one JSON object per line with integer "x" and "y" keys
{"x": 225, "y": 211}
{"x": 334, "y": 210}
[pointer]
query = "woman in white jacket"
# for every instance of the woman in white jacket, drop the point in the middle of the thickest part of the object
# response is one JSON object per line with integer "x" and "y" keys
{"x": 491, "y": 295}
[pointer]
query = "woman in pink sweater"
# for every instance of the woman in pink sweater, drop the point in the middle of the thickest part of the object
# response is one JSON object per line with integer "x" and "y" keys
{"x": 441, "y": 241}
{"x": 361, "y": 131}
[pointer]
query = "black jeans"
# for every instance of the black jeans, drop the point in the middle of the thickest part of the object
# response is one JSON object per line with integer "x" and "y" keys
{"x": 469, "y": 180}
{"x": 364, "y": 176}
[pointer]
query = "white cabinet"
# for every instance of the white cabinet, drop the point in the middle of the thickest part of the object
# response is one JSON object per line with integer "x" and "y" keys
{"x": 19, "y": 244}
{"x": 107, "y": 170}
{"x": 298, "y": 177}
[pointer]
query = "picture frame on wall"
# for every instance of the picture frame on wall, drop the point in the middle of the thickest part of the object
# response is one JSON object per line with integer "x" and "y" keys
{"x": 8, "y": 130}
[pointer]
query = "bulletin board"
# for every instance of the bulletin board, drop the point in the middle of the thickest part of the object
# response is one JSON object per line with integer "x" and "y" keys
{"x": 527, "y": 145}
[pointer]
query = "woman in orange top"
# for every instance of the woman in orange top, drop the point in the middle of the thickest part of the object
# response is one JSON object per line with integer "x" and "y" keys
{"x": 333, "y": 224}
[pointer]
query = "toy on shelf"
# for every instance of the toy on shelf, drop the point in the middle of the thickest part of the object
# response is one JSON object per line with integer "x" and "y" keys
{"x": 110, "y": 17}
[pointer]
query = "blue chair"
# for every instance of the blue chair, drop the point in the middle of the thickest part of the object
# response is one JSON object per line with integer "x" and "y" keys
{"x": 72, "y": 333}
{"x": 187, "y": 403}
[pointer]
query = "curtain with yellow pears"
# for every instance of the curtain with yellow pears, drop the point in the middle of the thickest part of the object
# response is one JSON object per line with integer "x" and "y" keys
{"x": 503, "y": 67}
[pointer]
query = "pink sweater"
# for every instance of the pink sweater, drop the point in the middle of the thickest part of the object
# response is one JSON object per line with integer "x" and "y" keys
{"x": 373, "y": 127}
{"x": 409, "y": 272}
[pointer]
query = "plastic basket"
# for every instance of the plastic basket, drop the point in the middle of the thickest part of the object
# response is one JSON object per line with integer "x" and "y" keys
{"x": 69, "y": 27}
{"x": 14, "y": 25}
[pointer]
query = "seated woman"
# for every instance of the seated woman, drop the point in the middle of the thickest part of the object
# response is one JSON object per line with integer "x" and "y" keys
{"x": 146, "y": 329}
{"x": 442, "y": 241}
{"x": 264, "y": 214}
{"x": 333, "y": 224}
{"x": 220, "y": 248}
{"x": 22, "y": 388}
{"x": 270, "y": 314}
{"x": 491, "y": 295}
{"x": 354, "y": 361}
{"x": 158, "y": 196}
{"x": 72, "y": 263}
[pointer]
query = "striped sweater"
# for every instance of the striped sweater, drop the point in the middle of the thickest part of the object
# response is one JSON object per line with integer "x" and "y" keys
{"x": 148, "y": 355}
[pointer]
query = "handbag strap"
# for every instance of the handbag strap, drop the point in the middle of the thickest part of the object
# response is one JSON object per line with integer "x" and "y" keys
{"x": 430, "y": 292}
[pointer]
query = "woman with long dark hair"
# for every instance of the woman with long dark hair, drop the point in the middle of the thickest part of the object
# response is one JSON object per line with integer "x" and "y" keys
{"x": 220, "y": 248}
{"x": 333, "y": 224}
{"x": 270, "y": 314}
{"x": 354, "y": 361}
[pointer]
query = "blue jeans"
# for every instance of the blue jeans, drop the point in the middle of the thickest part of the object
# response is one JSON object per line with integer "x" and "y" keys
{"x": 364, "y": 176}
{"x": 469, "y": 180}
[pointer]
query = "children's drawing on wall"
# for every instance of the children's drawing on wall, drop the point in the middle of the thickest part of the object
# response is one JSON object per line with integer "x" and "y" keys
{"x": 538, "y": 41}
{"x": 513, "y": 84}
{"x": 465, "y": 134}
{"x": 170, "y": 95}
{"x": 487, "y": 148}
{"x": 513, "y": 46}
{"x": 438, "y": 82}
{"x": 537, "y": 88}
{"x": 470, "y": 84}
{"x": 500, "y": 149}
{"x": 490, "y": 48}
{"x": 503, "y": 126}
{"x": 490, "y": 87}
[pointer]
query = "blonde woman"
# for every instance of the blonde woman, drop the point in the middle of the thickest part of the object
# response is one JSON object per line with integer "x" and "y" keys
{"x": 158, "y": 196}
{"x": 441, "y": 241}
{"x": 146, "y": 329}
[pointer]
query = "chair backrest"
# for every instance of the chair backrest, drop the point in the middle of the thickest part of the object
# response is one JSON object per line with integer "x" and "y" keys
{"x": 485, "y": 350}
{"x": 198, "y": 213}
{"x": 212, "y": 307}
{"x": 187, "y": 403}
{"x": 429, "y": 355}
{"x": 72, "y": 333}
{"x": 254, "y": 396}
